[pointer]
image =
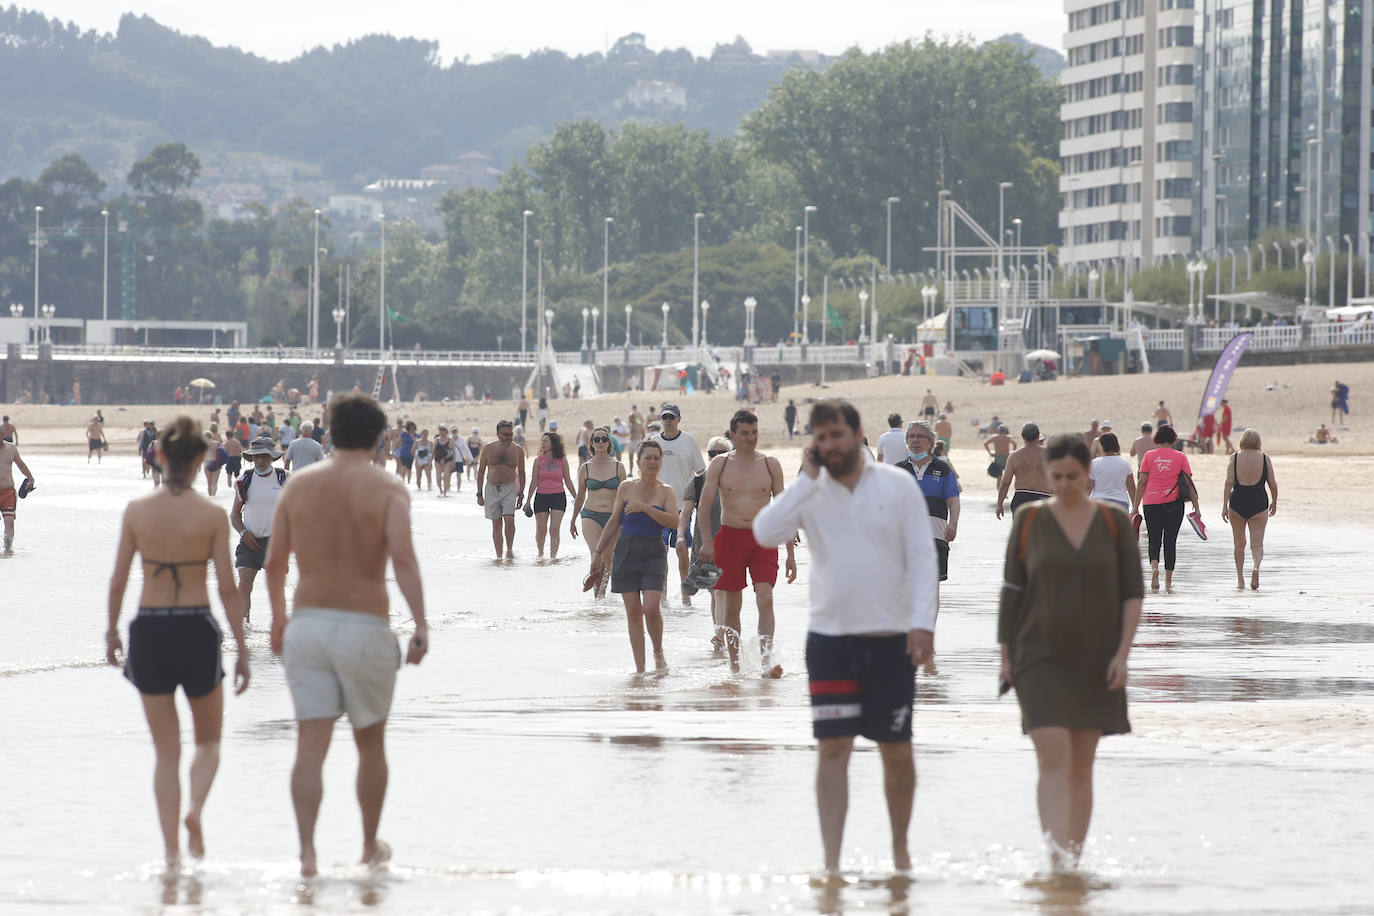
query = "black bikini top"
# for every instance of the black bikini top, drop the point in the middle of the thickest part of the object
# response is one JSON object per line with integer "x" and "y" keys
{"x": 172, "y": 567}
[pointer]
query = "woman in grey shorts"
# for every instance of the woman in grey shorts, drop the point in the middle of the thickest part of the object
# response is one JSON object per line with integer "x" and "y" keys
{"x": 643, "y": 508}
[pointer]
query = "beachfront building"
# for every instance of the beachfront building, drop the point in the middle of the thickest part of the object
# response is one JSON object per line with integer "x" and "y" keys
{"x": 1283, "y": 122}
{"x": 1127, "y": 146}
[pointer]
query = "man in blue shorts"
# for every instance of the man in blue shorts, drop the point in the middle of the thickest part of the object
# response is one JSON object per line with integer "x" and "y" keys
{"x": 873, "y": 597}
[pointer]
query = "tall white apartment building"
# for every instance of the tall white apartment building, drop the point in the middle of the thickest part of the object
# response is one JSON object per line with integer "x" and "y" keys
{"x": 1127, "y": 150}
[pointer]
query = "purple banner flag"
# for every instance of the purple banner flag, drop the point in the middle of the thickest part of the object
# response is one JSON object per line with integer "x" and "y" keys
{"x": 1222, "y": 372}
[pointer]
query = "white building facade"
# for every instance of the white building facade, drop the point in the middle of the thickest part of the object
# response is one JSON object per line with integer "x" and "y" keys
{"x": 1127, "y": 148}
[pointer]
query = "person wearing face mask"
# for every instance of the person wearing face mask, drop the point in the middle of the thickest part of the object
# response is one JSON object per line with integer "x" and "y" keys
{"x": 938, "y": 485}
{"x": 255, "y": 501}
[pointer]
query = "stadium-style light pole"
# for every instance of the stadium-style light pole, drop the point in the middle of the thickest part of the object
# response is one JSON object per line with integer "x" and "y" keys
{"x": 37, "y": 244}
{"x": 105, "y": 272}
{"x": 806, "y": 265}
{"x": 696, "y": 274}
{"x": 605, "y": 286}
{"x": 524, "y": 272}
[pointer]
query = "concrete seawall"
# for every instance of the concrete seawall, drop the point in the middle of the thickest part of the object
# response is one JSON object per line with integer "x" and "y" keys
{"x": 115, "y": 381}
{"x": 151, "y": 381}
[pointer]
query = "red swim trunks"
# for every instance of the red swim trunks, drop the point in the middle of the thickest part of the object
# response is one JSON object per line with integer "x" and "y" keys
{"x": 7, "y": 502}
{"x": 736, "y": 551}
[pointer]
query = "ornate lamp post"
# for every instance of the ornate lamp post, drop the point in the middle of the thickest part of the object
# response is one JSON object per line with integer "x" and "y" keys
{"x": 339, "y": 315}
{"x": 596, "y": 313}
{"x": 863, "y": 327}
{"x": 629, "y": 316}
{"x": 664, "y": 308}
{"x": 750, "y": 303}
{"x": 585, "y": 315}
{"x": 705, "y": 313}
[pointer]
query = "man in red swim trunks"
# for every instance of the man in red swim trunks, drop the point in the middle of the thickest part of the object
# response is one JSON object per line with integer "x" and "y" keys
{"x": 747, "y": 481}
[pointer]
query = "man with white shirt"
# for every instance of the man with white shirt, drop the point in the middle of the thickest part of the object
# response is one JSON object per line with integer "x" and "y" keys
{"x": 892, "y": 444}
{"x": 873, "y": 599}
{"x": 682, "y": 461}
{"x": 255, "y": 503}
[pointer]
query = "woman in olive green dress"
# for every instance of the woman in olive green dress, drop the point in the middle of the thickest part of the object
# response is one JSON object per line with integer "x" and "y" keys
{"x": 1069, "y": 609}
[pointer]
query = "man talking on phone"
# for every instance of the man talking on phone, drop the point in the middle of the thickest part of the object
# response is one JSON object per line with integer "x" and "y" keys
{"x": 873, "y": 599}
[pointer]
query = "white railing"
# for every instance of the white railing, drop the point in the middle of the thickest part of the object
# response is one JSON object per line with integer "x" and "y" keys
{"x": 277, "y": 354}
{"x": 1292, "y": 337}
{"x": 1163, "y": 338}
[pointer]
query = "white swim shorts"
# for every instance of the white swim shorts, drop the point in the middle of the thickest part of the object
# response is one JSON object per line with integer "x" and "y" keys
{"x": 500, "y": 499}
{"x": 340, "y": 662}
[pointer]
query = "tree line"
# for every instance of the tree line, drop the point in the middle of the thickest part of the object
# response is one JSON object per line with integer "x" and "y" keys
{"x": 902, "y": 122}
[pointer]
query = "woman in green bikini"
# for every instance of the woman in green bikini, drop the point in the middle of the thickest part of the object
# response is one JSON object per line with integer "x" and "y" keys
{"x": 597, "y": 482}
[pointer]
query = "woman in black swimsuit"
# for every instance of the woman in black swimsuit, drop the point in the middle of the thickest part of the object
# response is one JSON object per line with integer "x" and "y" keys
{"x": 175, "y": 640}
{"x": 1244, "y": 505}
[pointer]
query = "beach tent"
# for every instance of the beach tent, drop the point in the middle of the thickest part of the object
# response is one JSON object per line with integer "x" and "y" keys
{"x": 1350, "y": 312}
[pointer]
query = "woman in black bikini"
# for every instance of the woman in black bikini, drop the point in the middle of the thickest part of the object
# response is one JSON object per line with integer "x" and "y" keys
{"x": 1244, "y": 505}
{"x": 175, "y": 640}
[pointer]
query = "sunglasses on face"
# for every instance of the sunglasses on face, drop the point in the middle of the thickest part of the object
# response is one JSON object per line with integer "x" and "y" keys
{"x": 600, "y": 439}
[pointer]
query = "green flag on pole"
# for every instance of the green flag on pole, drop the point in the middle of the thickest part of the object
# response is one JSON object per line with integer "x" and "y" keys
{"x": 833, "y": 317}
{"x": 392, "y": 314}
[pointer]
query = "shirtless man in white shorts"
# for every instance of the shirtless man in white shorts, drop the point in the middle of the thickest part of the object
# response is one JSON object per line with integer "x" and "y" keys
{"x": 501, "y": 485}
{"x": 342, "y": 518}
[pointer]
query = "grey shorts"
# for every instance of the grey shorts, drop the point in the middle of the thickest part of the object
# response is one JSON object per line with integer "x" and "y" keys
{"x": 500, "y": 498}
{"x": 639, "y": 564}
{"x": 246, "y": 557}
{"x": 340, "y": 662}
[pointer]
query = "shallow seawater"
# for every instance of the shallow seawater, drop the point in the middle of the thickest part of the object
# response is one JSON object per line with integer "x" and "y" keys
{"x": 532, "y": 773}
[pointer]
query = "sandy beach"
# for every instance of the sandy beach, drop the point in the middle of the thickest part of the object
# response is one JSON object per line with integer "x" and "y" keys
{"x": 1328, "y": 484}
{"x": 693, "y": 792}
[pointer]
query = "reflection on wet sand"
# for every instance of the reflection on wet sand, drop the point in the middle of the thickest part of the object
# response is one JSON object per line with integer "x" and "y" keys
{"x": 1240, "y": 688}
{"x": 1193, "y": 630}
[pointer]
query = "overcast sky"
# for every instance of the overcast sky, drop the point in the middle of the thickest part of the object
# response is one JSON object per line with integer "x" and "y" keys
{"x": 282, "y": 29}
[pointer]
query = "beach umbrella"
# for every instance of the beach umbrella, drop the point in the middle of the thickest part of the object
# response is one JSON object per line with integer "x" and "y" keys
{"x": 202, "y": 384}
{"x": 1036, "y": 356}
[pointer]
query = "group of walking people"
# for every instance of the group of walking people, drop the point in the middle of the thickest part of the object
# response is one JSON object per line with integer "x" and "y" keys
{"x": 877, "y": 535}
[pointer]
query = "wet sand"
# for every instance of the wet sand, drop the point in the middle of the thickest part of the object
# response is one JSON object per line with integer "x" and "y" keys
{"x": 531, "y": 772}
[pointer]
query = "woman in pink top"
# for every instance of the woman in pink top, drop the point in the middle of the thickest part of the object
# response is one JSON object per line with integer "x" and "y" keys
{"x": 547, "y": 500}
{"x": 1162, "y": 492}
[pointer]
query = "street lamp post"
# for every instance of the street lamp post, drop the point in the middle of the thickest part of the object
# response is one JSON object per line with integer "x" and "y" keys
{"x": 539, "y": 301}
{"x": 750, "y": 303}
{"x": 1330, "y": 272}
{"x": 606, "y": 285}
{"x": 17, "y": 312}
{"x": 585, "y": 315}
{"x": 806, "y": 265}
{"x": 524, "y": 271}
{"x": 339, "y": 314}
{"x": 105, "y": 272}
{"x": 381, "y": 294}
{"x": 1002, "y": 187}
{"x": 37, "y": 244}
{"x": 705, "y": 313}
{"x": 596, "y": 313}
{"x": 806, "y": 308}
{"x": 49, "y": 310}
{"x": 863, "y": 325}
{"x": 1307, "y": 261}
{"x": 629, "y": 316}
{"x": 664, "y": 309}
{"x": 312, "y": 312}
{"x": 890, "y": 202}
{"x": 1349, "y": 268}
{"x": 696, "y": 273}
{"x": 796, "y": 286}
{"x": 548, "y": 332}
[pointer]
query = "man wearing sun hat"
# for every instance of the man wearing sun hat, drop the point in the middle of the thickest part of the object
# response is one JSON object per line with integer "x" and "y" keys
{"x": 682, "y": 461}
{"x": 255, "y": 502}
